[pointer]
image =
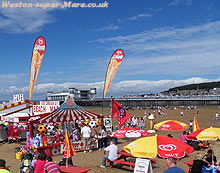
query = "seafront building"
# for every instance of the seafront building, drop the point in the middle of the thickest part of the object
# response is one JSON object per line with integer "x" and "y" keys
{"x": 77, "y": 94}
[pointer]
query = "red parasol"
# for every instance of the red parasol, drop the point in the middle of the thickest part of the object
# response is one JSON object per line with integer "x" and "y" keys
{"x": 130, "y": 132}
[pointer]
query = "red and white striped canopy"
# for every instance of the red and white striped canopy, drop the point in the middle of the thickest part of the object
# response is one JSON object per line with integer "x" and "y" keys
{"x": 68, "y": 113}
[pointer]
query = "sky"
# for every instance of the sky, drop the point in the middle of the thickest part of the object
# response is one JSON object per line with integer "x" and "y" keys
{"x": 167, "y": 43}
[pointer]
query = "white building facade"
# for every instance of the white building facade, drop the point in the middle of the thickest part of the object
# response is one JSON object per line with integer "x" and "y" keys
{"x": 73, "y": 92}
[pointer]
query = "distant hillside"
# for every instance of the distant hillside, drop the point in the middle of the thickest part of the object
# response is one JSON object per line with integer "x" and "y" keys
{"x": 206, "y": 86}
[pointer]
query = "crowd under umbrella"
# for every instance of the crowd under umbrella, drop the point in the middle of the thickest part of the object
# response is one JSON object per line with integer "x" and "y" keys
{"x": 171, "y": 125}
{"x": 205, "y": 134}
{"x": 161, "y": 146}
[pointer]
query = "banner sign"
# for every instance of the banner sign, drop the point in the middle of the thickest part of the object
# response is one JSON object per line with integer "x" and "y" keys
{"x": 10, "y": 119}
{"x": 18, "y": 98}
{"x": 108, "y": 124}
{"x": 37, "y": 57}
{"x": 113, "y": 65}
{"x": 42, "y": 109}
{"x": 50, "y": 103}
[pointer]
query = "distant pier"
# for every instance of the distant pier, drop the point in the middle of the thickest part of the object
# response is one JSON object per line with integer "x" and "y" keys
{"x": 146, "y": 102}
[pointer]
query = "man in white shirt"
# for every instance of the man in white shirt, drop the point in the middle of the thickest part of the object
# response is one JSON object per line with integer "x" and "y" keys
{"x": 86, "y": 131}
{"x": 134, "y": 121}
{"x": 113, "y": 153}
{"x": 216, "y": 116}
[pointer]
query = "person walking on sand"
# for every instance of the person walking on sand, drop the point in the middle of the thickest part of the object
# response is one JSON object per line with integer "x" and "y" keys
{"x": 182, "y": 114}
{"x": 141, "y": 123}
{"x": 86, "y": 132}
{"x": 216, "y": 116}
{"x": 134, "y": 121}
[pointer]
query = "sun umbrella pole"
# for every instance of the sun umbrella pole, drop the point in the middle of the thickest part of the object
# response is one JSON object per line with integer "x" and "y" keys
{"x": 102, "y": 104}
{"x": 111, "y": 117}
{"x": 66, "y": 163}
{"x": 212, "y": 152}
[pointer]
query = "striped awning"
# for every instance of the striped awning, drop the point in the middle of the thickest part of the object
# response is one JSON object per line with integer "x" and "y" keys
{"x": 66, "y": 113}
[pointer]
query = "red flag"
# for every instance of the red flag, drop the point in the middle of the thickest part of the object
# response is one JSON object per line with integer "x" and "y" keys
{"x": 119, "y": 113}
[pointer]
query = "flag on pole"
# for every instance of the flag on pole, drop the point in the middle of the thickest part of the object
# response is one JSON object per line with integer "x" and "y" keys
{"x": 119, "y": 113}
{"x": 37, "y": 57}
{"x": 113, "y": 65}
{"x": 68, "y": 148}
{"x": 195, "y": 125}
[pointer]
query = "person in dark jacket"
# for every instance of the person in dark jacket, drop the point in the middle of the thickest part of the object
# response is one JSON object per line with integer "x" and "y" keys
{"x": 209, "y": 157}
{"x": 198, "y": 163}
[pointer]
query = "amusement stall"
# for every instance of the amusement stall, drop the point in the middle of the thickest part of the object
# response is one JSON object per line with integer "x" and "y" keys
{"x": 50, "y": 129}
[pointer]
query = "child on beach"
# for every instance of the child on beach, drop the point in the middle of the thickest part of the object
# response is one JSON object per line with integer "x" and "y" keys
{"x": 183, "y": 137}
{"x": 191, "y": 124}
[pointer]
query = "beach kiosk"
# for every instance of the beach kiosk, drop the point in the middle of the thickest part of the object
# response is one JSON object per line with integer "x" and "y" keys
{"x": 68, "y": 112}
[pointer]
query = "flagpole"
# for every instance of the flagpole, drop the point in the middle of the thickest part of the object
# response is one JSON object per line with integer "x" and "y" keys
{"x": 111, "y": 116}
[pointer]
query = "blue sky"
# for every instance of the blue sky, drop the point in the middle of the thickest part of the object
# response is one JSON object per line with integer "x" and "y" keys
{"x": 167, "y": 43}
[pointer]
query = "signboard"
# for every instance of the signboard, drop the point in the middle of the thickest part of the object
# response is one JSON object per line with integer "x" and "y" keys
{"x": 42, "y": 109}
{"x": 10, "y": 119}
{"x": 143, "y": 166}
{"x": 50, "y": 103}
{"x": 108, "y": 124}
{"x": 18, "y": 98}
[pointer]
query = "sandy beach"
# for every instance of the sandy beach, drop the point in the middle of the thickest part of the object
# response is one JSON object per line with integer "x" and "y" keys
{"x": 93, "y": 160}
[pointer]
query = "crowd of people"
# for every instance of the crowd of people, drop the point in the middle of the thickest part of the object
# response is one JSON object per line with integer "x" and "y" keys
{"x": 82, "y": 131}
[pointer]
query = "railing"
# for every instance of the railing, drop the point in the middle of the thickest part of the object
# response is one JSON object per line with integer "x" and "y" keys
{"x": 216, "y": 97}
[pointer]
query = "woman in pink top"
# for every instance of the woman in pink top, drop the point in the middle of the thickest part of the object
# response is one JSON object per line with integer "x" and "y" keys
{"x": 39, "y": 165}
{"x": 183, "y": 137}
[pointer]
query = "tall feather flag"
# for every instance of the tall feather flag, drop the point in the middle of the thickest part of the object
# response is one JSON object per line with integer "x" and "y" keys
{"x": 37, "y": 57}
{"x": 113, "y": 66}
{"x": 195, "y": 125}
{"x": 68, "y": 148}
{"x": 119, "y": 113}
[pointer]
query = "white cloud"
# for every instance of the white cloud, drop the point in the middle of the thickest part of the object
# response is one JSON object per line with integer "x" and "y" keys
{"x": 13, "y": 78}
{"x": 143, "y": 15}
{"x": 187, "y": 51}
{"x": 108, "y": 27}
{"x": 180, "y": 2}
{"x": 60, "y": 72}
{"x": 116, "y": 89}
{"x": 45, "y": 74}
{"x": 25, "y": 20}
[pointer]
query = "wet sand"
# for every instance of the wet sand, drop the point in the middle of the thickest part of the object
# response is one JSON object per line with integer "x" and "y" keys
{"x": 93, "y": 160}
